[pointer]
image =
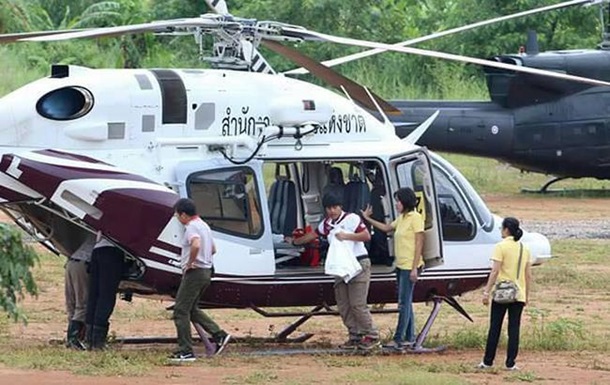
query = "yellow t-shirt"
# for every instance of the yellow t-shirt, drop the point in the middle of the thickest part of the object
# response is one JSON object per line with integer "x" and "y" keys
{"x": 405, "y": 227}
{"x": 507, "y": 252}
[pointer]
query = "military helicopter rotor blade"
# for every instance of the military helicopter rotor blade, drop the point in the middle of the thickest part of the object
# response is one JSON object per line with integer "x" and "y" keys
{"x": 330, "y": 76}
{"x": 367, "y": 53}
{"x": 12, "y": 37}
{"x": 310, "y": 35}
{"x": 167, "y": 26}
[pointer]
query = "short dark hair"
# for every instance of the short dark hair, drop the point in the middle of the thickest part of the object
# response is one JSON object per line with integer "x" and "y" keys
{"x": 330, "y": 200}
{"x": 186, "y": 206}
{"x": 512, "y": 225}
{"x": 407, "y": 197}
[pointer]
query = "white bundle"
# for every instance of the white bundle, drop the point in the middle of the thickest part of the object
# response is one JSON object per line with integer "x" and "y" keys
{"x": 340, "y": 259}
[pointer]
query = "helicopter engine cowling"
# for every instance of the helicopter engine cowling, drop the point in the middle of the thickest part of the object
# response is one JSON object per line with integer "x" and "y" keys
{"x": 297, "y": 112}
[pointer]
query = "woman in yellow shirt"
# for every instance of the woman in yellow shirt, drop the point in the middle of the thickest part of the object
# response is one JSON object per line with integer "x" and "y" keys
{"x": 408, "y": 229}
{"x": 511, "y": 262}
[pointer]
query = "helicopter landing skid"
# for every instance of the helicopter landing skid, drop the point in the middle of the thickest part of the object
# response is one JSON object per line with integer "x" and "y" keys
{"x": 545, "y": 188}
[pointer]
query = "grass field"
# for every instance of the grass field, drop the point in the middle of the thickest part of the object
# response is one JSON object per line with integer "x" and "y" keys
{"x": 568, "y": 315}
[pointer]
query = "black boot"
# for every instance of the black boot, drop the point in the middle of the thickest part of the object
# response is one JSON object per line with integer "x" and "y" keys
{"x": 73, "y": 336}
{"x": 89, "y": 336}
{"x": 99, "y": 337}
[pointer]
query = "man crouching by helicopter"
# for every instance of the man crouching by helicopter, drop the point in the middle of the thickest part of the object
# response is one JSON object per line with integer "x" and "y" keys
{"x": 196, "y": 262}
{"x": 352, "y": 296}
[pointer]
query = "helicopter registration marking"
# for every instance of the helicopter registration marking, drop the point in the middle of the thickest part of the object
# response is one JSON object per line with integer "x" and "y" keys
{"x": 244, "y": 123}
{"x": 346, "y": 123}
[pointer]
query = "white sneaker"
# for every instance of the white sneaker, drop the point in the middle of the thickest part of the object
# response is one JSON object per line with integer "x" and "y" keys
{"x": 513, "y": 368}
{"x": 221, "y": 344}
{"x": 483, "y": 366}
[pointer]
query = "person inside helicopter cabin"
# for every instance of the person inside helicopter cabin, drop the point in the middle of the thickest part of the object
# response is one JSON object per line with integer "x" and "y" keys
{"x": 105, "y": 273}
{"x": 511, "y": 263}
{"x": 76, "y": 290}
{"x": 408, "y": 229}
{"x": 351, "y": 297}
{"x": 196, "y": 261}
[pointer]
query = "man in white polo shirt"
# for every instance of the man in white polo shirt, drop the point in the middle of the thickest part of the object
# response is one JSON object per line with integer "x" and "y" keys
{"x": 352, "y": 296}
{"x": 196, "y": 262}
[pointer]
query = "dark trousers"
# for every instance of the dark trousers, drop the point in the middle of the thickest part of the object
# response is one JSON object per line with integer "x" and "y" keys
{"x": 495, "y": 328}
{"x": 105, "y": 270}
{"x": 186, "y": 309}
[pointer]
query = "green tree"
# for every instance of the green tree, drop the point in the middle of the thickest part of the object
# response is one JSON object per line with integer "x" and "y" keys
{"x": 16, "y": 261}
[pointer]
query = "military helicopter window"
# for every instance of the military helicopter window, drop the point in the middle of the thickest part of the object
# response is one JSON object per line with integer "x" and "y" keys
{"x": 228, "y": 200}
{"x": 66, "y": 103}
{"x": 455, "y": 216}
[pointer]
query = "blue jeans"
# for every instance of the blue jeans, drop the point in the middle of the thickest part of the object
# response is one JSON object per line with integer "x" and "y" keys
{"x": 405, "y": 330}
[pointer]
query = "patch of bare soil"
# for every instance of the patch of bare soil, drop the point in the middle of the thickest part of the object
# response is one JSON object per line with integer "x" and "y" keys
{"x": 551, "y": 208}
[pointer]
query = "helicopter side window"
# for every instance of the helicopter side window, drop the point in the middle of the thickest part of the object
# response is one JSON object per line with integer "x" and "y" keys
{"x": 228, "y": 200}
{"x": 457, "y": 221}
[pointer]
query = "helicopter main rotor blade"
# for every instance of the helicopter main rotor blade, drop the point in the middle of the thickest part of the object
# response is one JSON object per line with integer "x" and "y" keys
{"x": 156, "y": 26}
{"x": 258, "y": 62}
{"x": 219, "y": 6}
{"x": 317, "y": 36}
{"x": 11, "y": 37}
{"x": 335, "y": 79}
{"x": 360, "y": 55}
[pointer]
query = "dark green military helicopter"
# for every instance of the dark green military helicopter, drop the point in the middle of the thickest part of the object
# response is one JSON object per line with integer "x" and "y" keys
{"x": 535, "y": 123}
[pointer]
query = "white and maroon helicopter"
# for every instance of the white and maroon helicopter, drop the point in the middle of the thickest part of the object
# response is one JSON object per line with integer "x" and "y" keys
{"x": 111, "y": 150}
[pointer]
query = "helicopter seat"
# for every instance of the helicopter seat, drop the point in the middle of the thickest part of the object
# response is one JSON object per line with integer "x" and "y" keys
{"x": 282, "y": 209}
{"x": 336, "y": 185}
{"x": 357, "y": 195}
{"x": 314, "y": 213}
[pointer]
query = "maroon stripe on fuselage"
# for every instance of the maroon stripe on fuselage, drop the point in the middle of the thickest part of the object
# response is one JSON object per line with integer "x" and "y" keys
{"x": 243, "y": 294}
{"x": 167, "y": 246}
{"x": 134, "y": 217}
{"x": 45, "y": 178}
{"x": 13, "y": 196}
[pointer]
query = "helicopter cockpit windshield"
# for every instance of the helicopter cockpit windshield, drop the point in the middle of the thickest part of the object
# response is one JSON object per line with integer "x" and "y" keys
{"x": 449, "y": 173}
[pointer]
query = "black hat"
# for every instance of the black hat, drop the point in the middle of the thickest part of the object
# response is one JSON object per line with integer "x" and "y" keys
{"x": 330, "y": 200}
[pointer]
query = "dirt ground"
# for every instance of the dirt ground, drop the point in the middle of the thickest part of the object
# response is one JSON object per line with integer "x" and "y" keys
{"x": 549, "y": 368}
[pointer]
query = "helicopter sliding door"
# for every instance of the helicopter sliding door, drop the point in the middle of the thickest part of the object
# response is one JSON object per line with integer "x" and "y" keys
{"x": 232, "y": 200}
{"x": 414, "y": 170}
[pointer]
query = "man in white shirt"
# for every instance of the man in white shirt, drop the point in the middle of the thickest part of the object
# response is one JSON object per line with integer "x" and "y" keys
{"x": 352, "y": 296}
{"x": 196, "y": 262}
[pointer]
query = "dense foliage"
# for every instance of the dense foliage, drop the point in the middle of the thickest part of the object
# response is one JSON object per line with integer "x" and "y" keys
{"x": 390, "y": 74}
{"x": 16, "y": 260}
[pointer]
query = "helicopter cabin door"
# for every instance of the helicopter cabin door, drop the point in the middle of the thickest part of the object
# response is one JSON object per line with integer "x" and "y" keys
{"x": 231, "y": 199}
{"x": 414, "y": 170}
